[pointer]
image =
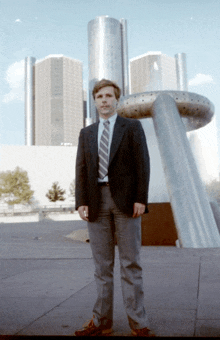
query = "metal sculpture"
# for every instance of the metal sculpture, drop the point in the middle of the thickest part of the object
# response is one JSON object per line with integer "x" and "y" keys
{"x": 193, "y": 215}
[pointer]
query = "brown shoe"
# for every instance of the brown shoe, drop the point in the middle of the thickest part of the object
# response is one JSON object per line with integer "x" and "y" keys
{"x": 92, "y": 330}
{"x": 143, "y": 332}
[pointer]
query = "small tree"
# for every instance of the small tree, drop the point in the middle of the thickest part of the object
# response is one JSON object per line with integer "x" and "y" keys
{"x": 55, "y": 193}
{"x": 72, "y": 188}
{"x": 15, "y": 187}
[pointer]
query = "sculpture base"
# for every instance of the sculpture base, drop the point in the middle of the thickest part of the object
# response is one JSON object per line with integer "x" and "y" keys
{"x": 158, "y": 226}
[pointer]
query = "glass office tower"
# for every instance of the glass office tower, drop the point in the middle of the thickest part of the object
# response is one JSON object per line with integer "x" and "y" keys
{"x": 154, "y": 71}
{"x": 59, "y": 112}
{"x": 55, "y": 104}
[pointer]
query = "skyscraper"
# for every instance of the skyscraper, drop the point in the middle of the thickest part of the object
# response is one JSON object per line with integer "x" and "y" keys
{"x": 29, "y": 100}
{"x": 155, "y": 71}
{"x": 58, "y": 108}
{"x": 108, "y": 55}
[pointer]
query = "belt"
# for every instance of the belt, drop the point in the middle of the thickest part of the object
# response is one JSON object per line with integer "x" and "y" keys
{"x": 106, "y": 184}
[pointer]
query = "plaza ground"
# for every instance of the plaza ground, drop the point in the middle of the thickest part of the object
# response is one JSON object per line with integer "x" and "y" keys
{"x": 48, "y": 287}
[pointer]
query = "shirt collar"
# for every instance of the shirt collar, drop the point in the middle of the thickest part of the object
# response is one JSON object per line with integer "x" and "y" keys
{"x": 111, "y": 119}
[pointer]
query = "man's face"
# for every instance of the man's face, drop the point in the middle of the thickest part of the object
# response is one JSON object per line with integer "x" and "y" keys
{"x": 106, "y": 102}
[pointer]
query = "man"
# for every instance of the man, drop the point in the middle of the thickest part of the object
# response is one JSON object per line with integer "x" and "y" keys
{"x": 112, "y": 179}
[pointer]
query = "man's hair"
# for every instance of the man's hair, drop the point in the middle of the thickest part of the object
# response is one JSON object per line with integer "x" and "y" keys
{"x": 103, "y": 83}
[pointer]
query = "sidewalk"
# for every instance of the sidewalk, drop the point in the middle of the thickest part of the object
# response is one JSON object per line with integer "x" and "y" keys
{"x": 49, "y": 292}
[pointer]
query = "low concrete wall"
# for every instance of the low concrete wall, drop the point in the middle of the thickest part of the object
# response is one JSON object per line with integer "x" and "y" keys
{"x": 63, "y": 217}
{"x": 19, "y": 219}
{"x": 39, "y": 217}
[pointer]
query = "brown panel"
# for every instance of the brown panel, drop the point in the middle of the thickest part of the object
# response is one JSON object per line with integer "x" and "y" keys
{"x": 158, "y": 226}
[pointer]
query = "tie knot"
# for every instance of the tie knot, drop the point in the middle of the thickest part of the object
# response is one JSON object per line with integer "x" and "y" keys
{"x": 106, "y": 123}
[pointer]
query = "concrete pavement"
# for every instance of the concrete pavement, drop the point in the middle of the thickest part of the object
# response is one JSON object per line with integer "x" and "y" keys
{"x": 48, "y": 288}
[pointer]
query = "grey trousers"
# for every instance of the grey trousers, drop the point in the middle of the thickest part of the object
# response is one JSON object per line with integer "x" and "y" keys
{"x": 128, "y": 233}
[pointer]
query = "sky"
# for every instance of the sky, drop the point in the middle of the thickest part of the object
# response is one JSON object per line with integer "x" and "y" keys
{"x": 39, "y": 28}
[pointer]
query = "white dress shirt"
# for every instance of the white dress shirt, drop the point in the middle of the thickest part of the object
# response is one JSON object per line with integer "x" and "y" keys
{"x": 111, "y": 120}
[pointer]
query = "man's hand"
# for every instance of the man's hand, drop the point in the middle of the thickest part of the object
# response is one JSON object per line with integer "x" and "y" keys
{"x": 83, "y": 211}
{"x": 139, "y": 209}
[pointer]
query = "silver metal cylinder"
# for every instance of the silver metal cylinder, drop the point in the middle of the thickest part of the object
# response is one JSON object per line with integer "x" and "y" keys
{"x": 88, "y": 121}
{"x": 29, "y": 100}
{"x": 191, "y": 209}
{"x": 107, "y": 59}
{"x": 125, "y": 75}
{"x": 181, "y": 72}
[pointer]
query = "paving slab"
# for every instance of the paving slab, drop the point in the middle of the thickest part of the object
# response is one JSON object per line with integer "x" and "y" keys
{"x": 173, "y": 322}
{"x": 208, "y": 328}
{"x": 209, "y": 289}
{"x": 171, "y": 285}
{"x": 56, "y": 279}
{"x": 42, "y": 240}
{"x": 18, "y": 312}
{"x": 67, "y": 317}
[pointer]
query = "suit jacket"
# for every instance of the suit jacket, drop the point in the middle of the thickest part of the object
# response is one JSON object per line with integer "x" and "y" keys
{"x": 128, "y": 172}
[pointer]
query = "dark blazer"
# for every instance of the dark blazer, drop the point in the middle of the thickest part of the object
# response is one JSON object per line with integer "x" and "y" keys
{"x": 128, "y": 172}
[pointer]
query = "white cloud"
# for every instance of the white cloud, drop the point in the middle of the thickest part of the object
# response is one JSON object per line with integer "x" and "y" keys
{"x": 201, "y": 79}
{"x": 15, "y": 79}
{"x": 17, "y": 20}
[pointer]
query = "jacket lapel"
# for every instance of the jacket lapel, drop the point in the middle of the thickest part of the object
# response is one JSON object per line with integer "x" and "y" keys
{"x": 93, "y": 141}
{"x": 119, "y": 129}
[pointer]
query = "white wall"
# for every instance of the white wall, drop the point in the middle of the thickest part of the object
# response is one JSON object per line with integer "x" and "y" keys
{"x": 44, "y": 165}
{"x": 204, "y": 145}
{"x": 157, "y": 189}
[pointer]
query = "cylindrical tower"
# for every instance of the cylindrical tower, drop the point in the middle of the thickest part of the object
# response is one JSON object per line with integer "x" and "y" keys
{"x": 88, "y": 121}
{"x": 125, "y": 76}
{"x": 29, "y": 100}
{"x": 181, "y": 72}
{"x": 107, "y": 55}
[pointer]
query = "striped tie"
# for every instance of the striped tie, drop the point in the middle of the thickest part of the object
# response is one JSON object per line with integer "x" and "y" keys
{"x": 103, "y": 151}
